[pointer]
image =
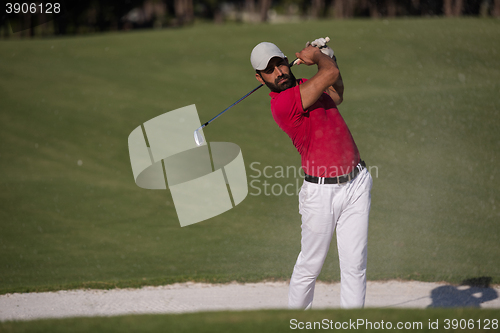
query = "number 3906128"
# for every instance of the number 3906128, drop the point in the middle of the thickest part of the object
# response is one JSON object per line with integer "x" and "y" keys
{"x": 32, "y": 8}
{"x": 484, "y": 324}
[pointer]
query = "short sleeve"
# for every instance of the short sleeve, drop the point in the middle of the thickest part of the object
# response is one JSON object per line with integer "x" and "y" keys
{"x": 287, "y": 108}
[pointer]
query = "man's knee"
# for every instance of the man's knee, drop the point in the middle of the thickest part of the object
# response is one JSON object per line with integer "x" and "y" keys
{"x": 354, "y": 270}
{"x": 307, "y": 271}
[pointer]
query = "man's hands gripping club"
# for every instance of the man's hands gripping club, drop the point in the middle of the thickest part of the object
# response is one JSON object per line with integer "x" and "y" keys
{"x": 320, "y": 43}
{"x": 325, "y": 79}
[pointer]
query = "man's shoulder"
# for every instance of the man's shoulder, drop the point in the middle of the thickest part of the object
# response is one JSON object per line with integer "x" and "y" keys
{"x": 286, "y": 105}
{"x": 288, "y": 91}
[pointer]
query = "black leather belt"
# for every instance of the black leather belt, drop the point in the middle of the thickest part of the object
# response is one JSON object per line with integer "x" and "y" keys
{"x": 337, "y": 180}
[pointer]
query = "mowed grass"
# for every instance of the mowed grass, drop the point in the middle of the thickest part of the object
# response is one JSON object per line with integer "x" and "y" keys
{"x": 368, "y": 320}
{"x": 422, "y": 101}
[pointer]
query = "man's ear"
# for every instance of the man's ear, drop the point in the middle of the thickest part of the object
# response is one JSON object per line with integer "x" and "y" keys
{"x": 259, "y": 78}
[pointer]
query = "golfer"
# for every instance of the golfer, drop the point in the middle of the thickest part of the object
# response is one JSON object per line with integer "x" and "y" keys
{"x": 336, "y": 189}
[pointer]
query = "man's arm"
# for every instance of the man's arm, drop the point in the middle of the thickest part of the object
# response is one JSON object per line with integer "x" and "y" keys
{"x": 336, "y": 91}
{"x": 326, "y": 79}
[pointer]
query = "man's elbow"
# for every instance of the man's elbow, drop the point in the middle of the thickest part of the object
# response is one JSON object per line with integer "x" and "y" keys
{"x": 337, "y": 99}
{"x": 333, "y": 75}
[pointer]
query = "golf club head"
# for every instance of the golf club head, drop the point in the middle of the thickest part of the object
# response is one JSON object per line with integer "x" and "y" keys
{"x": 198, "y": 137}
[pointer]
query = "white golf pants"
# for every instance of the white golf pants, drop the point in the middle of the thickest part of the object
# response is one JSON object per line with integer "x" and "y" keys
{"x": 325, "y": 207}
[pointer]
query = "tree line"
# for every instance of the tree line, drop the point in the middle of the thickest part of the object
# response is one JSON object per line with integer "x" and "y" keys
{"x": 105, "y": 15}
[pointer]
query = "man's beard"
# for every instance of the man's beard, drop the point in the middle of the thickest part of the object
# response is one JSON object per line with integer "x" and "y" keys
{"x": 277, "y": 87}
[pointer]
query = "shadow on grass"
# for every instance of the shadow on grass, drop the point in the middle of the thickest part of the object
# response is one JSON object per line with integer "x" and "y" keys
{"x": 470, "y": 293}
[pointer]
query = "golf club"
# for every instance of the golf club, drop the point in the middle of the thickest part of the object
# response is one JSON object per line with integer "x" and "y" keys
{"x": 198, "y": 137}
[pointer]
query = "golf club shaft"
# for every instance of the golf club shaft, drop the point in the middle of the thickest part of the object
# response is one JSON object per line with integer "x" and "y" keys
{"x": 242, "y": 98}
{"x": 217, "y": 116}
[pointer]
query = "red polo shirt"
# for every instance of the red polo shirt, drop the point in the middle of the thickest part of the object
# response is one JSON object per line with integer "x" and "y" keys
{"x": 319, "y": 133}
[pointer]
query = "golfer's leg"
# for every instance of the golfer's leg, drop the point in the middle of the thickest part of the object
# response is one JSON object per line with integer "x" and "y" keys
{"x": 317, "y": 231}
{"x": 352, "y": 241}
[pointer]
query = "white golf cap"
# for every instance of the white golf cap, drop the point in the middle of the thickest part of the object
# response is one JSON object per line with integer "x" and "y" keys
{"x": 262, "y": 53}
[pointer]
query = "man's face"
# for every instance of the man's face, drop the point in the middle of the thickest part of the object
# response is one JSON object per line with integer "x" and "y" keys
{"x": 277, "y": 75}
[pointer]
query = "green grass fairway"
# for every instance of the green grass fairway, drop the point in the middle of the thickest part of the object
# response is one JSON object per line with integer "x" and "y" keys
{"x": 368, "y": 320}
{"x": 422, "y": 101}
